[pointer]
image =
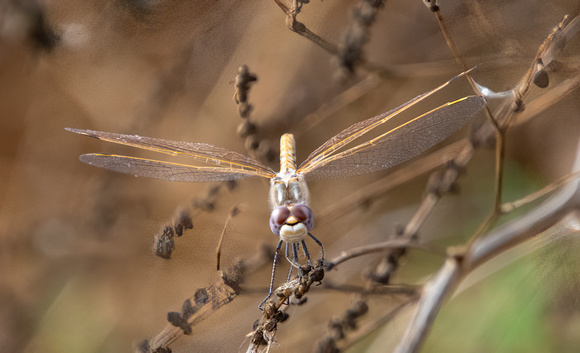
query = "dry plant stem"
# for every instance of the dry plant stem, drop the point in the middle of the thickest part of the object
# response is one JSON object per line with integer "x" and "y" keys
{"x": 218, "y": 251}
{"x": 498, "y": 186}
{"x": 220, "y": 294}
{"x": 164, "y": 243}
{"x": 500, "y": 239}
{"x": 437, "y": 12}
{"x": 554, "y": 40}
{"x": 379, "y": 247}
{"x": 420, "y": 216}
{"x": 434, "y": 292}
{"x": 510, "y": 206}
{"x": 247, "y": 130}
{"x": 301, "y": 28}
{"x": 395, "y": 289}
{"x": 272, "y": 315}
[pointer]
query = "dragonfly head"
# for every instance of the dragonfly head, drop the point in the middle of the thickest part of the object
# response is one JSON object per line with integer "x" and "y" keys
{"x": 292, "y": 223}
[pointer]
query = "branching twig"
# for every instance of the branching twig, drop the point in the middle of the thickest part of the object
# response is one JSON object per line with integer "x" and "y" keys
{"x": 266, "y": 326}
{"x": 349, "y": 54}
{"x": 515, "y": 105}
{"x": 478, "y": 250}
{"x": 502, "y": 238}
{"x": 300, "y": 28}
{"x": 510, "y": 206}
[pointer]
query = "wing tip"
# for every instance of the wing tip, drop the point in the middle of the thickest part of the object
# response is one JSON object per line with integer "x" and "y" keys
{"x": 482, "y": 102}
{"x": 89, "y": 133}
{"x": 85, "y": 158}
{"x": 88, "y": 158}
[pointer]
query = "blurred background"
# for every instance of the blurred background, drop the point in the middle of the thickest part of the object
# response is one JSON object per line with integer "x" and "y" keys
{"x": 77, "y": 270}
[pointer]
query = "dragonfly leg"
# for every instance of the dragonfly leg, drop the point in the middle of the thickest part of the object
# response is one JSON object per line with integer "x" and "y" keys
{"x": 293, "y": 261}
{"x": 306, "y": 253}
{"x": 273, "y": 273}
{"x": 291, "y": 267}
{"x": 295, "y": 247}
{"x": 320, "y": 244}
{"x": 289, "y": 274}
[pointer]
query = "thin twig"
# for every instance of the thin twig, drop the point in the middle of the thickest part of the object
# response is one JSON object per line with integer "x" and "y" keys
{"x": 510, "y": 206}
{"x": 354, "y": 42}
{"x": 234, "y": 211}
{"x": 301, "y": 29}
{"x": 380, "y": 247}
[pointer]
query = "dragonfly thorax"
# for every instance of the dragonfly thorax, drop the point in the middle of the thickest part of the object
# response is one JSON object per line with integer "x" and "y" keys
{"x": 287, "y": 190}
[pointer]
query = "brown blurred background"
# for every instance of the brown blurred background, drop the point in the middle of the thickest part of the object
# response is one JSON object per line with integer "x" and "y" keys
{"x": 77, "y": 273}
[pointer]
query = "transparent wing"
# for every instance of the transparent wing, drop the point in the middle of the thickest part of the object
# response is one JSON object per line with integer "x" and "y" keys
{"x": 362, "y": 127}
{"x": 149, "y": 168}
{"x": 228, "y": 163}
{"x": 397, "y": 145}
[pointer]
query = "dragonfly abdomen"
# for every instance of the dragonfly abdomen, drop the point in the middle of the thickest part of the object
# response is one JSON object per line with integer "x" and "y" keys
{"x": 287, "y": 154}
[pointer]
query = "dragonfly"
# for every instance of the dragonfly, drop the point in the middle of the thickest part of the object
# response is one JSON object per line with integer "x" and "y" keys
{"x": 291, "y": 218}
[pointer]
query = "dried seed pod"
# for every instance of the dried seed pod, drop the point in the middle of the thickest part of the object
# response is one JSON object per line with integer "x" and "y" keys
{"x": 164, "y": 243}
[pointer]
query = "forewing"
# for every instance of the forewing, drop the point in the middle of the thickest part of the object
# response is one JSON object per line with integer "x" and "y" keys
{"x": 399, "y": 144}
{"x": 149, "y": 168}
{"x": 362, "y": 127}
{"x": 221, "y": 157}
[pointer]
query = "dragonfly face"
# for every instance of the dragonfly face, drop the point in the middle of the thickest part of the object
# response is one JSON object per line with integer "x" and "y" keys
{"x": 292, "y": 222}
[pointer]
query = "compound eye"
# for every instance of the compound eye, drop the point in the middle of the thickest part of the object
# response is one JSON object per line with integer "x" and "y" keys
{"x": 277, "y": 218}
{"x": 304, "y": 215}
